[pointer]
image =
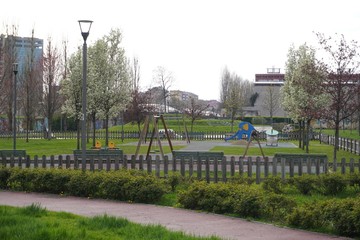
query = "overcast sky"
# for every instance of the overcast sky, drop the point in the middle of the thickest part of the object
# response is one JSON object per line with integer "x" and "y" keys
{"x": 193, "y": 39}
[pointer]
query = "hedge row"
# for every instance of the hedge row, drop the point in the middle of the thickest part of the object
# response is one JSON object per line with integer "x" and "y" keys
{"x": 341, "y": 216}
{"x": 124, "y": 185}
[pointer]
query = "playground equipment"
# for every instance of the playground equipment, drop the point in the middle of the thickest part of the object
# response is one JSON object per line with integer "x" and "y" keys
{"x": 272, "y": 137}
{"x": 246, "y": 128}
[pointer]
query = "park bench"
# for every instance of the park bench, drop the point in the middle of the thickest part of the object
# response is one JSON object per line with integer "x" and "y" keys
{"x": 301, "y": 156}
{"x": 202, "y": 155}
{"x": 10, "y": 153}
{"x": 100, "y": 153}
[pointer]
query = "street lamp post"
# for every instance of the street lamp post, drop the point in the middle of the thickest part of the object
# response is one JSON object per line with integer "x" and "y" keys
{"x": 15, "y": 70}
{"x": 85, "y": 26}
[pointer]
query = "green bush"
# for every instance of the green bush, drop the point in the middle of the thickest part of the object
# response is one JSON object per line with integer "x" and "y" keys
{"x": 190, "y": 198}
{"x": 308, "y": 216}
{"x": 354, "y": 180}
{"x": 343, "y": 215}
{"x": 305, "y": 184}
{"x": 145, "y": 189}
{"x": 277, "y": 206}
{"x": 273, "y": 184}
{"x": 21, "y": 179}
{"x": 248, "y": 202}
{"x": 332, "y": 184}
{"x": 4, "y": 176}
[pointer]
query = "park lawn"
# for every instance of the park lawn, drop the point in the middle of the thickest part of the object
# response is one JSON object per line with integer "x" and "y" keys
{"x": 314, "y": 147}
{"x": 35, "y": 222}
{"x": 67, "y": 146}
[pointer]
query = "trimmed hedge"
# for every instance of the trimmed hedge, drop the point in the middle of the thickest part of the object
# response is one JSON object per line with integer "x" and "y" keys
{"x": 124, "y": 185}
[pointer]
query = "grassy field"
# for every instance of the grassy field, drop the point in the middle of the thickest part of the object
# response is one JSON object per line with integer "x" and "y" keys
{"x": 62, "y": 147}
{"x": 34, "y": 223}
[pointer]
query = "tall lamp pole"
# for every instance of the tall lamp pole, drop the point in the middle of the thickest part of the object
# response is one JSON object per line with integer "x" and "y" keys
{"x": 85, "y": 26}
{"x": 15, "y": 70}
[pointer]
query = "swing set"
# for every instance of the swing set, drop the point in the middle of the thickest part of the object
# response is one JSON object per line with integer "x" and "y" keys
{"x": 155, "y": 135}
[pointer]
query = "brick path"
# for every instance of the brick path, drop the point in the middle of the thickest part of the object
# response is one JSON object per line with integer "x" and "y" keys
{"x": 191, "y": 222}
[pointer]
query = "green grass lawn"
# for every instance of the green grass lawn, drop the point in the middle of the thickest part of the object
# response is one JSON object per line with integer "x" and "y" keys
{"x": 62, "y": 147}
{"x": 35, "y": 223}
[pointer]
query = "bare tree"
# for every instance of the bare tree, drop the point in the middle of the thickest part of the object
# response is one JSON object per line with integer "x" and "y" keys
{"x": 195, "y": 110}
{"x": 31, "y": 87}
{"x": 271, "y": 101}
{"x": 342, "y": 83}
{"x": 235, "y": 94}
{"x": 139, "y": 105}
{"x": 165, "y": 79}
{"x": 52, "y": 74}
{"x": 8, "y": 55}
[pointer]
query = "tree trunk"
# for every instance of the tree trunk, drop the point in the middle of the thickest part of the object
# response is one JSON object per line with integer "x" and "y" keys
{"x": 94, "y": 128}
{"x": 78, "y": 133}
{"x": 307, "y": 135}
{"x": 107, "y": 129}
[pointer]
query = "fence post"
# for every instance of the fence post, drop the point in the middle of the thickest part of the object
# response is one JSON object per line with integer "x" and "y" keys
{"x": 232, "y": 166}
{"x": 67, "y": 164}
{"x": 317, "y": 166}
{"x": 36, "y": 161}
{"x": 215, "y": 162}
{"x": 174, "y": 165}
{"x": 292, "y": 163}
{"x": 207, "y": 169}
{"x": 148, "y": 164}
{"x": 191, "y": 166}
{"x": 27, "y": 161}
{"x": 300, "y": 168}
{"x": 60, "y": 161}
{"x": 92, "y": 164}
{"x": 141, "y": 159}
{"x": 223, "y": 168}
{"x": 199, "y": 168}
{"x": 108, "y": 163}
{"x": 12, "y": 161}
{"x": 124, "y": 162}
{"x": 182, "y": 166}
{"x": 257, "y": 170}
{"x": 133, "y": 162}
{"x": 100, "y": 163}
{"x": 266, "y": 167}
{"x": 343, "y": 166}
{"x": 19, "y": 161}
{"x": 117, "y": 160}
{"x": 249, "y": 167}
{"x": 157, "y": 166}
{"x": 308, "y": 165}
{"x": 351, "y": 165}
{"x": 241, "y": 166}
{"x": 274, "y": 166}
{"x": 283, "y": 162}
{"x": 43, "y": 161}
{"x": 52, "y": 164}
{"x": 166, "y": 166}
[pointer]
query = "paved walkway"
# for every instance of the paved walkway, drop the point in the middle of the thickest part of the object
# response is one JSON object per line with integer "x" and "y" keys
{"x": 190, "y": 222}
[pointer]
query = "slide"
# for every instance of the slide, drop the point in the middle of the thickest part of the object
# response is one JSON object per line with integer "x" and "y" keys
{"x": 244, "y": 128}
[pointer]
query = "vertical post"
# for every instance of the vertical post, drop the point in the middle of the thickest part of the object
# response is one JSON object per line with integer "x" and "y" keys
{"x": 83, "y": 121}
{"x": 15, "y": 70}
{"x": 85, "y": 26}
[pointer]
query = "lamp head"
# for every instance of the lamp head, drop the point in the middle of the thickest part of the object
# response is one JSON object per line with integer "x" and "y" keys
{"x": 85, "y": 26}
{"x": 15, "y": 68}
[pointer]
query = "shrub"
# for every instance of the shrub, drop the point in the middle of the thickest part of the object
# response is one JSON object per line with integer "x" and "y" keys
{"x": 308, "y": 216}
{"x": 305, "y": 183}
{"x": 332, "y": 184}
{"x": 190, "y": 198}
{"x": 4, "y": 176}
{"x": 248, "y": 202}
{"x": 277, "y": 206}
{"x": 144, "y": 189}
{"x": 344, "y": 216}
{"x": 273, "y": 184}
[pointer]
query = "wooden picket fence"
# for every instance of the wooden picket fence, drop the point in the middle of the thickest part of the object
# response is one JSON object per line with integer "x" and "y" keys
{"x": 208, "y": 169}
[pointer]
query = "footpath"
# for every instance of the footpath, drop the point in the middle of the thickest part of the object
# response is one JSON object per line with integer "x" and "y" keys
{"x": 187, "y": 221}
